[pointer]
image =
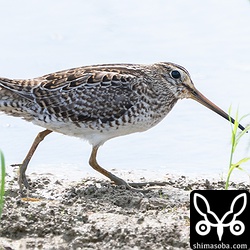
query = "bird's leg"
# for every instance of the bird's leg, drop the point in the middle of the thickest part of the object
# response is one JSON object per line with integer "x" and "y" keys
{"x": 118, "y": 181}
{"x": 22, "y": 167}
{"x": 94, "y": 164}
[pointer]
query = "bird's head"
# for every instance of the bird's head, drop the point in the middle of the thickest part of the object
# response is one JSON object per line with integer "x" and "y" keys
{"x": 181, "y": 85}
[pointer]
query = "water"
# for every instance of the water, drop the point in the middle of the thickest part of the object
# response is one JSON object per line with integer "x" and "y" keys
{"x": 210, "y": 38}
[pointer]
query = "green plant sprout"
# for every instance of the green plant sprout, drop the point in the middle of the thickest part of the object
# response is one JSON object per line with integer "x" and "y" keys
{"x": 235, "y": 139}
{"x": 2, "y": 182}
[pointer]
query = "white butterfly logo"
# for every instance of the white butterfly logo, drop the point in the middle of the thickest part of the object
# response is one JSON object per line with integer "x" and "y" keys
{"x": 203, "y": 227}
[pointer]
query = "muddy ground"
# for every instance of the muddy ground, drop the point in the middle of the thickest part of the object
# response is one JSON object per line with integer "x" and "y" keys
{"x": 94, "y": 214}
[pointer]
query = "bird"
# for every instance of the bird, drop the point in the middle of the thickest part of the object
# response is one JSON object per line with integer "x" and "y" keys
{"x": 98, "y": 103}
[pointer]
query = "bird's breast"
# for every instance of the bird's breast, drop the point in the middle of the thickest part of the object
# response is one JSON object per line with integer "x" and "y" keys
{"x": 137, "y": 119}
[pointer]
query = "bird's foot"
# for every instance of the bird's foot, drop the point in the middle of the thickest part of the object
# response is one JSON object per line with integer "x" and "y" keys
{"x": 147, "y": 184}
{"x": 22, "y": 179}
{"x": 130, "y": 186}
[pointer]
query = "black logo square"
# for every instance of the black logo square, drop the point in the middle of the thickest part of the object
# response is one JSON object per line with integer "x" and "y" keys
{"x": 220, "y": 219}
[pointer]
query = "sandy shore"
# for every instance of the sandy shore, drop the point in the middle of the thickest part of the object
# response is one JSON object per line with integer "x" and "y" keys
{"x": 94, "y": 214}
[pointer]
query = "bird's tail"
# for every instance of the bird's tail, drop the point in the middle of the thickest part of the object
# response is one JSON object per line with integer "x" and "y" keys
{"x": 11, "y": 100}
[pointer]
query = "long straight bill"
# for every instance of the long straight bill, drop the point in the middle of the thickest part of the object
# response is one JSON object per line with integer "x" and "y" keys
{"x": 197, "y": 96}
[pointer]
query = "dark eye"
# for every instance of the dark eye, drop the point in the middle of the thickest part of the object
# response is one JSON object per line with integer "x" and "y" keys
{"x": 175, "y": 74}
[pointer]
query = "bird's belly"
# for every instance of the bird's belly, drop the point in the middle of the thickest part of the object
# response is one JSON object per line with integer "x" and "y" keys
{"x": 96, "y": 133}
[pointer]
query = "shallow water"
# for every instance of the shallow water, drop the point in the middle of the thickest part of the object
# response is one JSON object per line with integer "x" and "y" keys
{"x": 210, "y": 38}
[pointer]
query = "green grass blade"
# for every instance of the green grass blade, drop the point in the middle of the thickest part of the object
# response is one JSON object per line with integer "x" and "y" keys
{"x": 247, "y": 128}
{"x": 228, "y": 176}
{"x": 235, "y": 139}
{"x": 244, "y": 160}
{"x": 2, "y": 184}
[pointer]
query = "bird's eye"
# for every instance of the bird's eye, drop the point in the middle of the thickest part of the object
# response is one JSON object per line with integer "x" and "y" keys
{"x": 175, "y": 74}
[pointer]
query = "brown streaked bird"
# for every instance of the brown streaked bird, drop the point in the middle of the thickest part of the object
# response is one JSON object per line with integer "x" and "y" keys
{"x": 99, "y": 102}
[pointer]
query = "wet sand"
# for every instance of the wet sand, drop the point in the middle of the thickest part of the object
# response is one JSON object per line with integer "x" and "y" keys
{"x": 94, "y": 214}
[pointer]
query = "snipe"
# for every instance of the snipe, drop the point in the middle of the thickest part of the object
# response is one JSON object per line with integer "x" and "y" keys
{"x": 99, "y": 102}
